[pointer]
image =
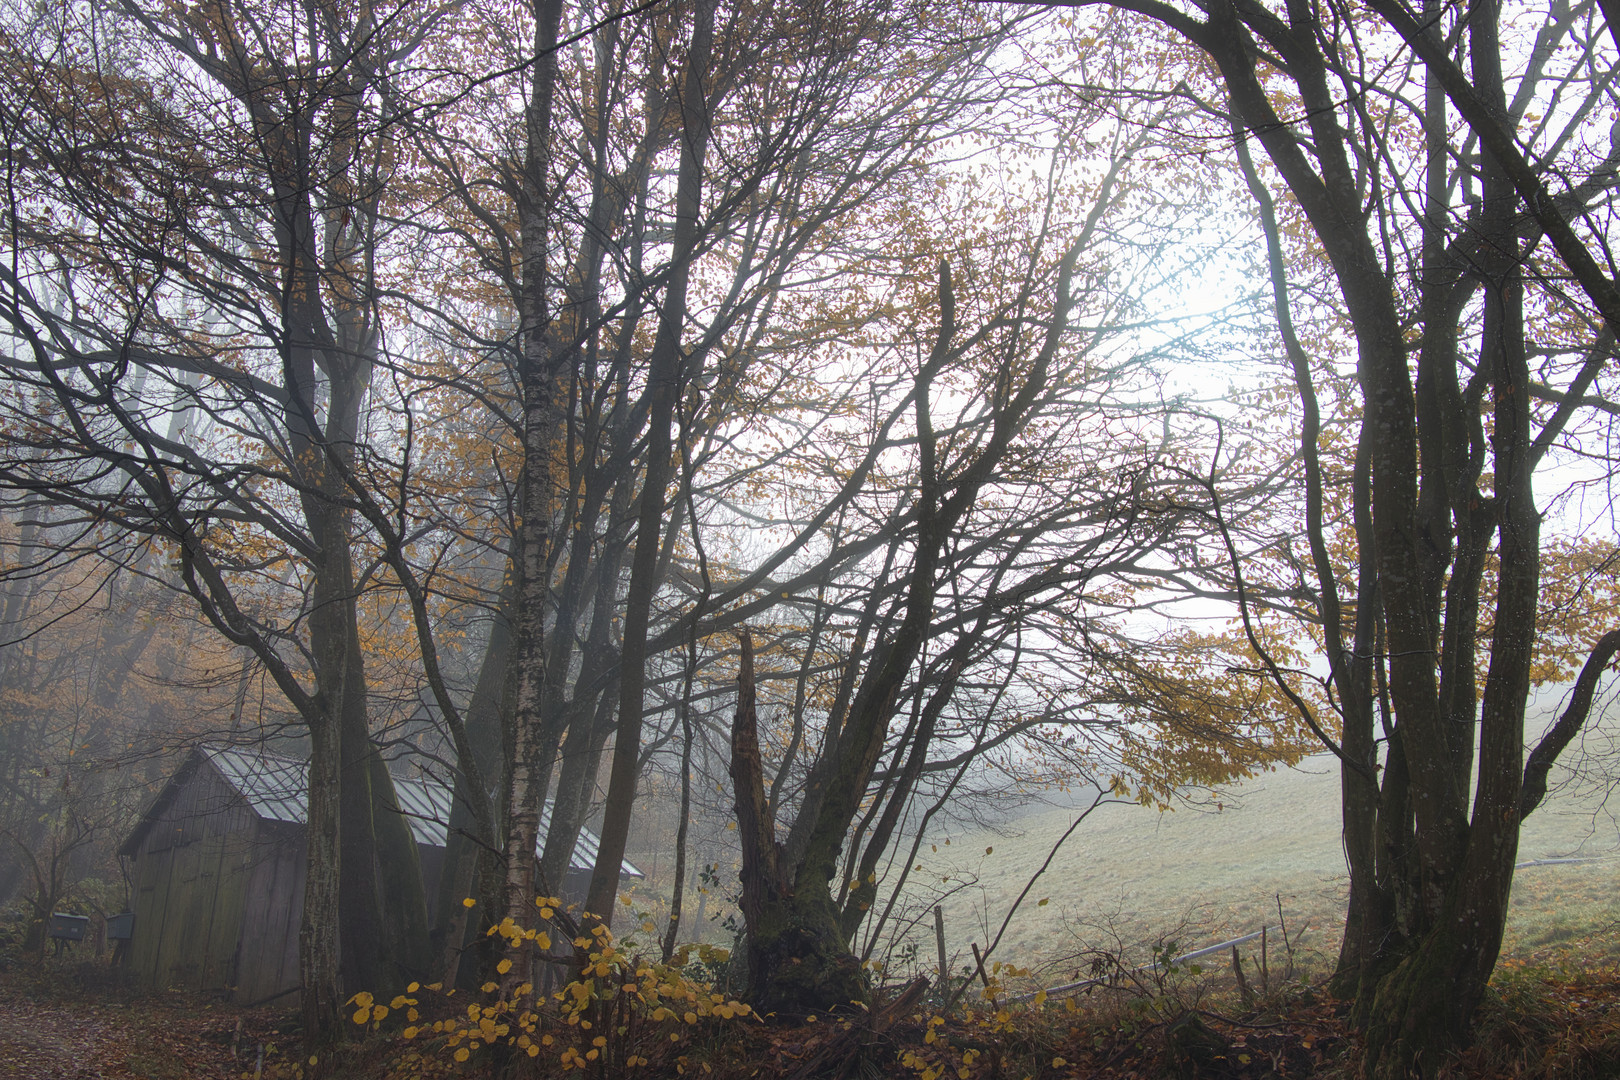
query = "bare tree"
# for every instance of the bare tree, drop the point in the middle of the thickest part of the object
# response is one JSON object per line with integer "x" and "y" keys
{"x": 1412, "y": 175}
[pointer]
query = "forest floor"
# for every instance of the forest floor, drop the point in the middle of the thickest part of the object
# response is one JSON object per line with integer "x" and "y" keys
{"x": 1555, "y": 1016}
{"x": 53, "y": 1027}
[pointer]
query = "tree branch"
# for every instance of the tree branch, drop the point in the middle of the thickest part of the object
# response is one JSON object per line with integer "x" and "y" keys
{"x": 1568, "y": 726}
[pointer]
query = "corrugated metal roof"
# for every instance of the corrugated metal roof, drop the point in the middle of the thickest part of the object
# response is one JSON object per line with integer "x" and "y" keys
{"x": 276, "y": 788}
{"x": 426, "y": 804}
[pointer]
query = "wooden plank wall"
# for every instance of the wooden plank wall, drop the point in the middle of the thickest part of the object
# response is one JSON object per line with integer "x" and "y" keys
{"x": 273, "y": 903}
{"x": 193, "y": 885}
{"x": 219, "y": 893}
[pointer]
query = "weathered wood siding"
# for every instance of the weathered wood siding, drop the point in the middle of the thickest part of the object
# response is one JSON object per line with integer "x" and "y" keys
{"x": 274, "y": 904}
{"x": 200, "y": 875}
{"x": 219, "y": 881}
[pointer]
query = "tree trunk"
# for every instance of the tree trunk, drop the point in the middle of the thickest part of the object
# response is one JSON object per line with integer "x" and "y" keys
{"x": 359, "y": 908}
{"x": 318, "y": 942}
{"x": 589, "y": 716}
{"x": 1429, "y": 873}
{"x": 530, "y": 757}
{"x": 799, "y": 962}
{"x": 407, "y": 953}
{"x": 664, "y": 368}
{"x": 464, "y": 856}
{"x": 804, "y": 959}
{"x": 1422, "y": 1010}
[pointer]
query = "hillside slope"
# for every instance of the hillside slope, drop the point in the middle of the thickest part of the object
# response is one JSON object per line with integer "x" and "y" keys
{"x": 1130, "y": 875}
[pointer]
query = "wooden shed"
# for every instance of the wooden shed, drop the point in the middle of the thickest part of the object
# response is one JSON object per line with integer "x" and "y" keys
{"x": 218, "y": 870}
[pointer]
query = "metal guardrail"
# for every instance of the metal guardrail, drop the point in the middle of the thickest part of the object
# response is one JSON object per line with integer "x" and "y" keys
{"x": 1199, "y": 954}
{"x": 1184, "y": 958}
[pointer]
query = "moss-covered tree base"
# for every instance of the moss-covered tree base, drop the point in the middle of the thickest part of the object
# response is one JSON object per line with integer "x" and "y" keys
{"x": 1420, "y": 1012}
{"x": 1361, "y": 987}
{"x": 799, "y": 964}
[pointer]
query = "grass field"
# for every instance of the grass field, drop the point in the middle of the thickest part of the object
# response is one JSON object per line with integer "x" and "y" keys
{"x": 1130, "y": 876}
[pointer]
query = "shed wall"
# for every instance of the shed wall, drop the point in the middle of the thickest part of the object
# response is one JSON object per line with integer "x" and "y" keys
{"x": 219, "y": 886}
{"x": 189, "y": 880}
{"x": 272, "y": 909}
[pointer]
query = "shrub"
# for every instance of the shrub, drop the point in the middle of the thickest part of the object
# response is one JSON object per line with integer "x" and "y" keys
{"x": 619, "y": 1013}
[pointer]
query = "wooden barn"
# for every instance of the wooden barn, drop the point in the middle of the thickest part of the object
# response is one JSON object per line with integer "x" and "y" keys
{"x": 217, "y": 871}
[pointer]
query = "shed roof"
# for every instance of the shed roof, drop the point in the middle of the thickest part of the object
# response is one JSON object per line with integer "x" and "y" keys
{"x": 276, "y": 789}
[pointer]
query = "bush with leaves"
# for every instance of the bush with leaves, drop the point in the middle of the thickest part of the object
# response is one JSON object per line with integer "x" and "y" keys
{"x": 620, "y": 1012}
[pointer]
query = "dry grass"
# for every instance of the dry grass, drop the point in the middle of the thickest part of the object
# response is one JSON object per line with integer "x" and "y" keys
{"x": 1131, "y": 876}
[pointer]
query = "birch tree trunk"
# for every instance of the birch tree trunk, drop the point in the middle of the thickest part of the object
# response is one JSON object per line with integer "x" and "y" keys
{"x": 530, "y": 757}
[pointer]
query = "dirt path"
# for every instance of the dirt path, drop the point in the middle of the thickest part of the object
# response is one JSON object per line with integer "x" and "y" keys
{"x": 138, "y": 1040}
{"x": 47, "y": 1043}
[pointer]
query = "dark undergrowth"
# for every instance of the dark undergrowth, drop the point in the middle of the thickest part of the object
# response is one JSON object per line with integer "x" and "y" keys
{"x": 1556, "y": 1014}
